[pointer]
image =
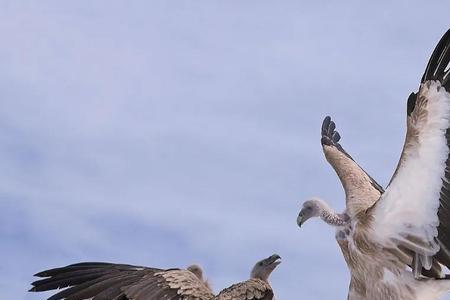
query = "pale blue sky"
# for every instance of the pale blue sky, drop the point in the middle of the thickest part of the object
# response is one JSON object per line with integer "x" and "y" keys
{"x": 163, "y": 133}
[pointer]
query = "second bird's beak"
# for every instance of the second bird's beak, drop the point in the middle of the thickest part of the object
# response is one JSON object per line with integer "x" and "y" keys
{"x": 275, "y": 259}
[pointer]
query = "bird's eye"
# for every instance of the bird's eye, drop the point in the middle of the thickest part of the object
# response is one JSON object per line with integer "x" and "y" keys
{"x": 260, "y": 263}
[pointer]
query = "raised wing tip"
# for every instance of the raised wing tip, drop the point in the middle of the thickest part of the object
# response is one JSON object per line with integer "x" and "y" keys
{"x": 47, "y": 273}
{"x": 329, "y": 134}
{"x": 438, "y": 67}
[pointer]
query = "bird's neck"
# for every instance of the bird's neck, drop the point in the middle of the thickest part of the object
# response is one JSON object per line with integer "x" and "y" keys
{"x": 258, "y": 275}
{"x": 332, "y": 218}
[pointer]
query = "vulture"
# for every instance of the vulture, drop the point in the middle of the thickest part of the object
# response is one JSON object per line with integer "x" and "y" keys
{"x": 109, "y": 281}
{"x": 396, "y": 241}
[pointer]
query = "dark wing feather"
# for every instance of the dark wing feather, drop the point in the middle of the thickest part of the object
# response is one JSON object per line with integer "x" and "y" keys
{"x": 438, "y": 65}
{"x": 83, "y": 266}
{"x": 106, "y": 281}
{"x": 252, "y": 289}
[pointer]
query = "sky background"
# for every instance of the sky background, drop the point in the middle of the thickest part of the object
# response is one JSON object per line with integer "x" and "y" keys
{"x": 165, "y": 133}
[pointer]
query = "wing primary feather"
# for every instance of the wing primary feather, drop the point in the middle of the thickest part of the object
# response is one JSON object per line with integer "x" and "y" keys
{"x": 331, "y": 128}
{"x": 336, "y": 137}
{"x": 325, "y": 124}
{"x": 438, "y": 65}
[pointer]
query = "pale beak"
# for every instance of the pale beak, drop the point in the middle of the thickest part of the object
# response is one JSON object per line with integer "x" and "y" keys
{"x": 275, "y": 260}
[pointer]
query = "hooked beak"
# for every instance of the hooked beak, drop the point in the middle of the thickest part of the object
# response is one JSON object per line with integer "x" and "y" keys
{"x": 274, "y": 260}
{"x": 300, "y": 219}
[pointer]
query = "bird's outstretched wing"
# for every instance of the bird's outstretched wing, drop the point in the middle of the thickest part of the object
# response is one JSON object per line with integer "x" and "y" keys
{"x": 361, "y": 190}
{"x": 414, "y": 212}
{"x": 252, "y": 289}
{"x": 107, "y": 281}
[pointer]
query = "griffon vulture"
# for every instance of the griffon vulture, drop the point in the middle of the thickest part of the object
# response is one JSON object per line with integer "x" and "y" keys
{"x": 107, "y": 281}
{"x": 396, "y": 242}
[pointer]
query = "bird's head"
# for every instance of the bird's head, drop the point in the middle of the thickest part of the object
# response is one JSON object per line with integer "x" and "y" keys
{"x": 263, "y": 268}
{"x": 310, "y": 209}
{"x": 197, "y": 270}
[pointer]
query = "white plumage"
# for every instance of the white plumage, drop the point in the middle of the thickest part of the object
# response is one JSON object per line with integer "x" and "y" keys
{"x": 410, "y": 203}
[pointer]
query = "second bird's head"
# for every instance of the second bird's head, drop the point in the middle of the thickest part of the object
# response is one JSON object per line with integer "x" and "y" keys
{"x": 264, "y": 267}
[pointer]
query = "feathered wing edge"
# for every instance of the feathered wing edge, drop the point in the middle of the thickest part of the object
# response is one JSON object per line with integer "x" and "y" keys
{"x": 420, "y": 244}
{"x": 438, "y": 68}
{"x": 120, "y": 282}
